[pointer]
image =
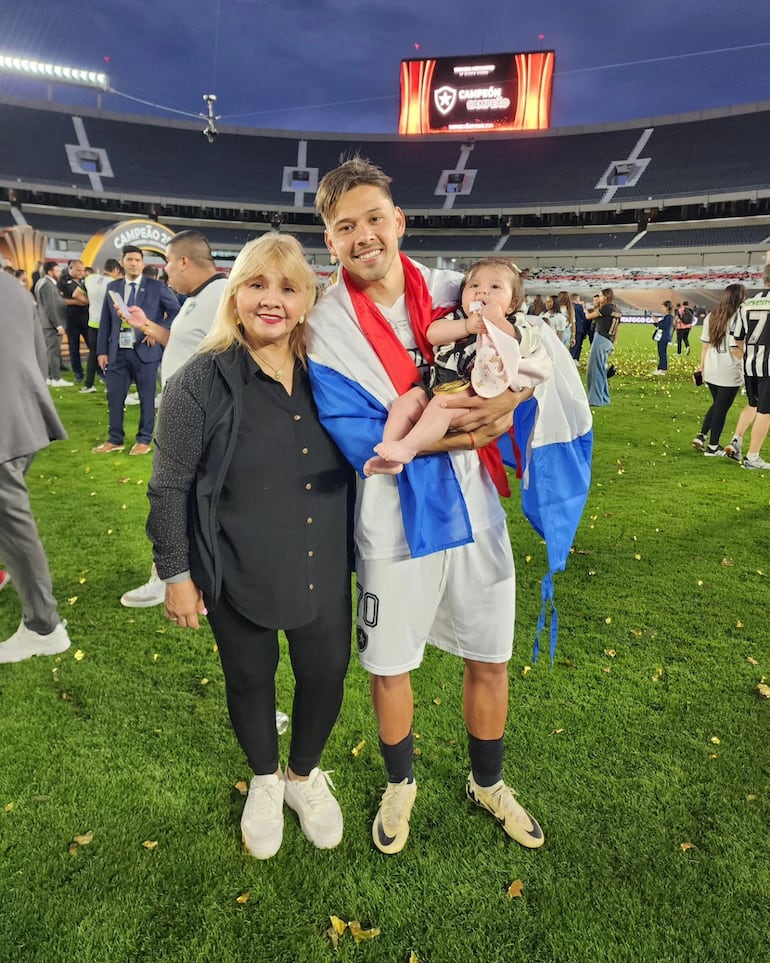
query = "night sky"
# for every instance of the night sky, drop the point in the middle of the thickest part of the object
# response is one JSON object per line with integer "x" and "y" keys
{"x": 334, "y": 65}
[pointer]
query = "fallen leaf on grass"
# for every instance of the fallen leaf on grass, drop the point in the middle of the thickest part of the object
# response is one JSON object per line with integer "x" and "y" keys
{"x": 727, "y": 563}
{"x": 413, "y": 958}
{"x": 243, "y": 898}
{"x": 360, "y": 934}
{"x": 751, "y": 661}
{"x": 73, "y": 849}
{"x": 356, "y": 750}
{"x": 150, "y": 843}
{"x": 716, "y": 740}
{"x": 764, "y": 690}
{"x": 636, "y": 632}
{"x": 556, "y": 732}
{"x": 685, "y": 846}
{"x": 610, "y": 653}
{"x": 243, "y": 787}
{"x": 657, "y": 675}
{"x": 85, "y": 839}
{"x": 607, "y": 669}
{"x": 123, "y": 481}
{"x": 608, "y": 620}
{"x": 739, "y": 625}
{"x": 73, "y": 600}
{"x": 79, "y": 655}
{"x": 8, "y": 808}
{"x": 437, "y": 701}
{"x": 515, "y": 889}
{"x": 751, "y": 797}
{"x": 81, "y": 581}
{"x": 526, "y": 669}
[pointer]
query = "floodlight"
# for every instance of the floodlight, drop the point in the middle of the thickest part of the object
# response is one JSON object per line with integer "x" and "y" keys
{"x": 54, "y": 73}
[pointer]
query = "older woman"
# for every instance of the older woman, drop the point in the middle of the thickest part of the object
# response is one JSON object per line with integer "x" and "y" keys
{"x": 249, "y": 519}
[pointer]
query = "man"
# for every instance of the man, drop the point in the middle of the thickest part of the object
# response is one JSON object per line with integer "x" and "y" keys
{"x": 581, "y": 326}
{"x": 443, "y": 572}
{"x": 128, "y": 354}
{"x": 751, "y": 332}
{"x": 30, "y": 422}
{"x": 191, "y": 272}
{"x": 52, "y": 313}
{"x": 96, "y": 289}
{"x": 72, "y": 289}
{"x": 607, "y": 319}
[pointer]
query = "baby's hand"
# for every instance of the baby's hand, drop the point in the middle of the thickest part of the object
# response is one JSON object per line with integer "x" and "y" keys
{"x": 494, "y": 314}
{"x": 474, "y": 323}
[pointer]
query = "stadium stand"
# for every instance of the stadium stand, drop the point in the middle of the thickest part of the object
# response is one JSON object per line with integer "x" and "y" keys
{"x": 685, "y": 186}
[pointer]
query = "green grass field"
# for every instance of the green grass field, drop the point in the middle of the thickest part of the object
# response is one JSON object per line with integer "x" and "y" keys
{"x": 643, "y": 752}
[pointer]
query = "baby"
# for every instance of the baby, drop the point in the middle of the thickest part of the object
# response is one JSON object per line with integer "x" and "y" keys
{"x": 479, "y": 350}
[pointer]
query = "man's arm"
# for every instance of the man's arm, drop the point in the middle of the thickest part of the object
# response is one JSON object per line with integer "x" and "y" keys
{"x": 487, "y": 420}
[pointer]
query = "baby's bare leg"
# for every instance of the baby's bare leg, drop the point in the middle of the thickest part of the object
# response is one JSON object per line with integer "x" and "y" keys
{"x": 430, "y": 428}
{"x": 404, "y": 414}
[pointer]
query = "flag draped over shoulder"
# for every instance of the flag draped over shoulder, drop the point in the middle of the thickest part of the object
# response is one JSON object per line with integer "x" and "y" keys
{"x": 555, "y": 440}
{"x": 357, "y": 368}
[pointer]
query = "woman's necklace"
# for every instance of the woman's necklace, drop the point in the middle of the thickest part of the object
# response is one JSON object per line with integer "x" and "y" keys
{"x": 278, "y": 372}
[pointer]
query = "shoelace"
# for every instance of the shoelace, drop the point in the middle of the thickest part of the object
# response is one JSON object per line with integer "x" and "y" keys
{"x": 505, "y": 797}
{"x": 316, "y": 790}
{"x": 392, "y": 802}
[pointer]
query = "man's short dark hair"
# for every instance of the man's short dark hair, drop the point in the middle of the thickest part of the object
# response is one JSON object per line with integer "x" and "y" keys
{"x": 112, "y": 265}
{"x": 132, "y": 249}
{"x": 193, "y": 245}
{"x": 49, "y": 266}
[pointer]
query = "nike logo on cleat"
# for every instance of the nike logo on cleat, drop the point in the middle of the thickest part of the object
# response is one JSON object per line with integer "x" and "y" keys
{"x": 382, "y": 836}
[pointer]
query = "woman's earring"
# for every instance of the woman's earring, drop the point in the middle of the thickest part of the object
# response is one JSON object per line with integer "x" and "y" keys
{"x": 332, "y": 259}
{"x": 301, "y": 320}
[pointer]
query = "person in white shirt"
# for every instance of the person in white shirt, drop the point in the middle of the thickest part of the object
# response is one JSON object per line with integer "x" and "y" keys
{"x": 191, "y": 272}
{"x": 96, "y": 289}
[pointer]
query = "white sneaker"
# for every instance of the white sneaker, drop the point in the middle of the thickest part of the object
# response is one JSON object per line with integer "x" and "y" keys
{"x": 87, "y": 391}
{"x": 320, "y": 816}
{"x": 262, "y": 819}
{"x": 755, "y": 462}
{"x": 58, "y": 383}
{"x": 147, "y": 595}
{"x": 24, "y": 643}
{"x": 133, "y": 399}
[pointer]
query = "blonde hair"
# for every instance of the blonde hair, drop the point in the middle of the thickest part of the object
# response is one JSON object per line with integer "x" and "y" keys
{"x": 272, "y": 251}
{"x": 354, "y": 172}
{"x": 517, "y": 284}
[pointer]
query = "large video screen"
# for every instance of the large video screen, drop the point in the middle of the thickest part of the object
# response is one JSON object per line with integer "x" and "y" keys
{"x": 483, "y": 92}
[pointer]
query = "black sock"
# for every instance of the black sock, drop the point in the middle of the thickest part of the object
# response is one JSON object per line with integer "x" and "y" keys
{"x": 399, "y": 759}
{"x": 486, "y": 760}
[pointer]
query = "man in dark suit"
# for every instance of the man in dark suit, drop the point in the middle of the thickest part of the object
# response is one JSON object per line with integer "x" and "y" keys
{"x": 127, "y": 354}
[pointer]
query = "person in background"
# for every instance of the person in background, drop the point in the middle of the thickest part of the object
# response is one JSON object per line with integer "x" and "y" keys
{"x": 125, "y": 354}
{"x": 73, "y": 290}
{"x": 565, "y": 305}
{"x": 194, "y": 276}
{"x": 249, "y": 520}
{"x": 96, "y": 289}
{"x": 683, "y": 320}
{"x": 663, "y": 335}
{"x": 554, "y": 318}
{"x": 721, "y": 367}
{"x": 607, "y": 318}
{"x": 29, "y": 424}
{"x": 536, "y": 306}
{"x": 52, "y": 314}
{"x": 751, "y": 333}
{"x": 581, "y": 326}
